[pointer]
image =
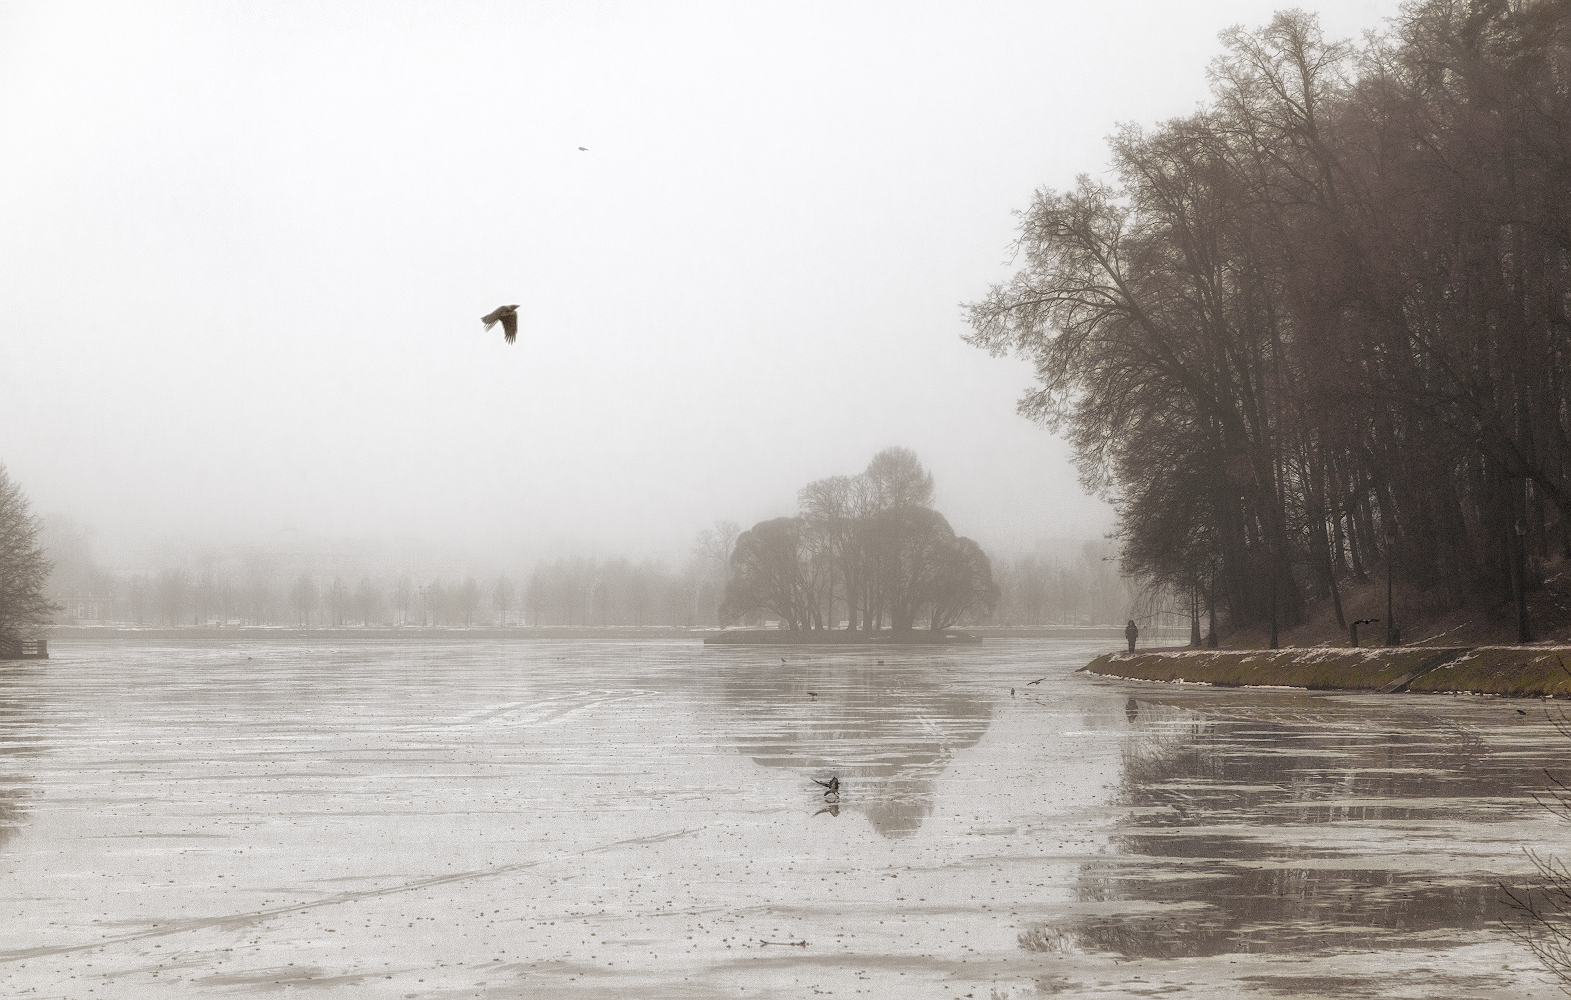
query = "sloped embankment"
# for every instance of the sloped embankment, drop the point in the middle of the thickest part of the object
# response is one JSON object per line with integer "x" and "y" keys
{"x": 1518, "y": 671}
{"x": 1322, "y": 668}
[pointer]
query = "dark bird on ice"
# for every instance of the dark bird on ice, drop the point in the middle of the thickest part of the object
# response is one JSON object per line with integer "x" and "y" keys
{"x": 832, "y": 786}
{"x": 1037, "y": 681}
{"x": 507, "y": 316}
{"x": 813, "y": 695}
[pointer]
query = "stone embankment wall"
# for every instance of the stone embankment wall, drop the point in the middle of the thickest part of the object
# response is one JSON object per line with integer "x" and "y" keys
{"x": 1519, "y": 671}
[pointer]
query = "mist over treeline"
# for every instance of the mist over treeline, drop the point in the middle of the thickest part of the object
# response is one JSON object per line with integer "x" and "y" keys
{"x": 870, "y": 551}
{"x": 1323, "y": 322}
{"x": 318, "y": 583}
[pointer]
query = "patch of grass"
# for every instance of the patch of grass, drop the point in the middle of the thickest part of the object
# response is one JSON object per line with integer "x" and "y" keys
{"x": 1516, "y": 671}
{"x": 1317, "y": 668}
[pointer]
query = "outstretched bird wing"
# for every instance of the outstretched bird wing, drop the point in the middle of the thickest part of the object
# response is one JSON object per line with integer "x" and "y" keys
{"x": 507, "y": 316}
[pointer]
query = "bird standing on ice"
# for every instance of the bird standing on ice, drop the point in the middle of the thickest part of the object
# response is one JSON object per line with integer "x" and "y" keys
{"x": 507, "y": 316}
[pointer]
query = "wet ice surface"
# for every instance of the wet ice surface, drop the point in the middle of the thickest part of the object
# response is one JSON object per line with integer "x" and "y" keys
{"x": 639, "y": 820}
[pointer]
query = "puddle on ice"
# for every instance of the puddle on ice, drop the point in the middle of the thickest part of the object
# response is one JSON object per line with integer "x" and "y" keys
{"x": 601, "y": 818}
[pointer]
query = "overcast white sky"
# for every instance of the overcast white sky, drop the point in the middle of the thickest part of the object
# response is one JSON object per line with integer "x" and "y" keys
{"x": 245, "y": 249}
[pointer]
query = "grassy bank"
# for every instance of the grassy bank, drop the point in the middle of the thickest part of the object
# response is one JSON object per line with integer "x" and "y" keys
{"x": 1518, "y": 671}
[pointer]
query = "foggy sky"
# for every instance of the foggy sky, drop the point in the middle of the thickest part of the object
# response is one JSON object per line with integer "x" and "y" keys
{"x": 246, "y": 248}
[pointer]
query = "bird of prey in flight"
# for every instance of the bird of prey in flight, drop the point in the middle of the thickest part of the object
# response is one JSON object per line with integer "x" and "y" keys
{"x": 507, "y": 316}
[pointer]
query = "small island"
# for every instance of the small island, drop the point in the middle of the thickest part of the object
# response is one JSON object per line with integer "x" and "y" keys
{"x": 866, "y": 553}
{"x": 839, "y": 637}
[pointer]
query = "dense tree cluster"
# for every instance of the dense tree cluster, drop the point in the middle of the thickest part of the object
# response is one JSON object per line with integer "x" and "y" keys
{"x": 1323, "y": 321}
{"x": 866, "y": 547}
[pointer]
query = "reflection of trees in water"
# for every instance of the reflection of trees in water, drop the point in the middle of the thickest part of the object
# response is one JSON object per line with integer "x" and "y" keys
{"x": 1305, "y": 767}
{"x": 888, "y": 732}
{"x": 1194, "y": 776}
{"x": 1275, "y": 910}
{"x": 15, "y": 786}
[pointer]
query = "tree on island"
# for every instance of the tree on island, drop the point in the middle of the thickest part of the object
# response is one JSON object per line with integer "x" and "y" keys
{"x": 25, "y": 609}
{"x": 773, "y": 573}
{"x": 868, "y": 545}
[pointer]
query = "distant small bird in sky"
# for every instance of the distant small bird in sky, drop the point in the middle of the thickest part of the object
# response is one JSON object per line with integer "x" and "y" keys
{"x": 583, "y": 149}
{"x": 507, "y": 316}
{"x": 1037, "y": 681}
{"x": 813, "y": 695}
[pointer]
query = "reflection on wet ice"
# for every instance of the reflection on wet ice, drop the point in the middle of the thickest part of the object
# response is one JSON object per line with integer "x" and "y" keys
{"x": 621, "y": 819}
{"x": 1294, "y": 826}
{"x": 19, "y": 743}
{"x": 886, "y": 732}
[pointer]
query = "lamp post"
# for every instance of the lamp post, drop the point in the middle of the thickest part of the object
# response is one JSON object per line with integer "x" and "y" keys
{"x": 1393, "y": 635}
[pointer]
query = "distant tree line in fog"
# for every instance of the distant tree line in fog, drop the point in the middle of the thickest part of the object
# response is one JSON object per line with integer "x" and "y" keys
{"x": 1325, "y": 321}
{"x": 1039, "y": 589}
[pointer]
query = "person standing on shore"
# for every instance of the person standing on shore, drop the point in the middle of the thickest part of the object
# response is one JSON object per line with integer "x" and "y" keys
{"x": 1131, "y": 632}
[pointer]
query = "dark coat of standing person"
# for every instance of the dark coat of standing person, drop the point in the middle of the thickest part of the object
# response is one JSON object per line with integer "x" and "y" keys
{"x": 1131, "y": 632}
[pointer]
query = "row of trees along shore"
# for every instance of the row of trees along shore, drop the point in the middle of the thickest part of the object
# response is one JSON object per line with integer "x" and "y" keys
{"x": 869, "y": 547}
{"x": 1036, "y": 590}
{"x": 902, "y": 559}
{"x": 254, "y": 587}
{"x": 1323, "y": 321}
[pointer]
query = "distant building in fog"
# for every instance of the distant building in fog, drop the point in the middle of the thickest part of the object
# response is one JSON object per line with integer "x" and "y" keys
{"x": 85, "y": 607}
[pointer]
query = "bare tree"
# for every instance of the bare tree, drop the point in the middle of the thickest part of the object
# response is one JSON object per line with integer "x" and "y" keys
{"x": 466, "y": 600}
{"x": 1320, "y": 323}
{"x": 171, "y": 592}
{"x": 502, "y": 598}
{"x": 339, "y": 598}
{"x": 367, "y": 600}
{"x": 24, "y": 570}
{"x": 302, "y": 598}
{"x": 770, "y": 575}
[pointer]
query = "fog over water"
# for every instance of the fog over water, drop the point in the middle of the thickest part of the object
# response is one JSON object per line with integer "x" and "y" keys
{"x": 247, "y": 248}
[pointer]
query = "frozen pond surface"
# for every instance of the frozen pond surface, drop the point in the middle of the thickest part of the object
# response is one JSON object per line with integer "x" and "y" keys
{"x": 638, "y": 819}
